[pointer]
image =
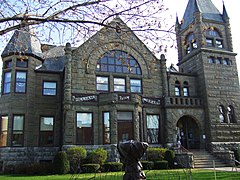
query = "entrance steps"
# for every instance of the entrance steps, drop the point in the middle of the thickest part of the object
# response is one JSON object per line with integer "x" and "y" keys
{"x": 203, "y": 159}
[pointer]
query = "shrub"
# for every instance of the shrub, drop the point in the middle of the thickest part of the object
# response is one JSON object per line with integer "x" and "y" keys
{"x": 75, "y": 156}
{"x": 147, "y": 165}
{"x": 90, "y": 168}
{"x": 155, "y": 154}
{"x": 98, "y": 156}
{"x": 160, "y": 165}
{"x": 112, "y": 166}
{"x": 169, "y": 156}
{"x": 35, "y": 169}
{"x": 60, "y": 163}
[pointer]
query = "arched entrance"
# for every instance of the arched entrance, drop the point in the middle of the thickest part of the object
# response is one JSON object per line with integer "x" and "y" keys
{"x": 188, "y": 132}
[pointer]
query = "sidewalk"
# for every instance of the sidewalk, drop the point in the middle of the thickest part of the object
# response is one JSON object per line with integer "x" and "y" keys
{"x": 236, "y": 169}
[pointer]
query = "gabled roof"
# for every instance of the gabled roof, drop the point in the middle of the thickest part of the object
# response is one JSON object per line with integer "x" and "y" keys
{"x": 23, "y": 42}
{"x": 205, "y": 7}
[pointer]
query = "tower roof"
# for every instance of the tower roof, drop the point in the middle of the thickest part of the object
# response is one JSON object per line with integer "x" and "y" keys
{"x": 23, "y": 42}
{"x": 205, "y": 7}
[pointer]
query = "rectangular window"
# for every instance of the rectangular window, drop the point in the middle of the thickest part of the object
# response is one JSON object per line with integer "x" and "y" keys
{"x": 125, "y": 126}
{"x": 119, "y": 85}
{"x": 17, "y": 134}
{"x": 7, "y": 82}
{"x": 84, "y": 134}
{"x": 219, "y": 43}
{"x": 46, "y": 131}
{"x": 3, "y": 131}
{"x": 22, "y": 63}
{"x": 177, "y": 91}
{"x": 136, "y": 85}
{"x": 106, "y": 128}
{"x": 7, "y": 64}
{"x": 20, "y": 82}
{"x": 49, "y": 88}
{"x": 209, "y": 42}
{"x": 102, "y": 83}
{"x": 153, "y": 129}
{"x": 185, "y": 91}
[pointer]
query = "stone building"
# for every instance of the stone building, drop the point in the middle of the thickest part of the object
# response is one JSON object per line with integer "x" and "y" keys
{"x": 112, "y": 89}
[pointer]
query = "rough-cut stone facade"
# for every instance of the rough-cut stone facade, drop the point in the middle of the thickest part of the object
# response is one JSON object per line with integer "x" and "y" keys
{"x": 185, "y": 103}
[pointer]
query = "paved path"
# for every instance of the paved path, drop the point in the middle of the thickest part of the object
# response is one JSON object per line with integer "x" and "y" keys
{"x": 225, "y": 169}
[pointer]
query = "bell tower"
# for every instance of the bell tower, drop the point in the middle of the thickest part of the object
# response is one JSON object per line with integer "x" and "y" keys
{"x": 205, "y": 49}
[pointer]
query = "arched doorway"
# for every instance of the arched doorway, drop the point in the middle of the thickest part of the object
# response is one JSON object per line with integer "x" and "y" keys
{"x": 188, "y": 132}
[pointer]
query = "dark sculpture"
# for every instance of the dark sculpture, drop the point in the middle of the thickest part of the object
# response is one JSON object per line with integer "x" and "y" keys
{"x": 130, "y": 155}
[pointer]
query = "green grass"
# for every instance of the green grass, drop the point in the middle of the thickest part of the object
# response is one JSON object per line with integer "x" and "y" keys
{"x": 151, "y": 175}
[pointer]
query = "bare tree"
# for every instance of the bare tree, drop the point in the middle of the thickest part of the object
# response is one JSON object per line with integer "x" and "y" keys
{"x": 61, "y": 21}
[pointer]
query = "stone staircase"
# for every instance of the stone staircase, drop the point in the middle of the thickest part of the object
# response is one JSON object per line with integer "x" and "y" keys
{"x": 203, "y": 159}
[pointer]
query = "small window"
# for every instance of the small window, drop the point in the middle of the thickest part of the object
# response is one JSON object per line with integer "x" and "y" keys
{"x": 84, "y": 134}
{"x": 185, "y": 89}
{"x": 119, "y": 85}
{"x": 7, "y": 64}
{"x": 106, "y": 128}
{"x": 221, "y": 110}
{"x": 20, "y": 82}
{"x": 219, "y": 43}
{"x": 7, "y": 82}
{"x": 209, "y": 42}
{"x": 136, "y": 85}
{"x": 102, "y": 83}
{"x": 231, "y": 115}
{"x": 46, "y": 131}
{"x": 22, "y": 63}
{"x": 226, "y": 61}
{"x": 211, "y": 60}
{"x": 177, "y": 88}
{"x": 3, "y": 131}
{"x": 17, "y": 135}
{"x": 49, "y": 88}
{"x": 219, "y": 60}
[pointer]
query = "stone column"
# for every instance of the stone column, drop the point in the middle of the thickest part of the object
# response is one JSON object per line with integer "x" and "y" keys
{"x": 113, "y": 125}
{"x": 69, "y": 120}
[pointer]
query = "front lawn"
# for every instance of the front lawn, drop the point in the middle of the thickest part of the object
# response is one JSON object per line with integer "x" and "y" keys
{"x": 197, "y": 174}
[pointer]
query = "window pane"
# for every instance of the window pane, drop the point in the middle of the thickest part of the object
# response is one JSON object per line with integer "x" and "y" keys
{"x": 219, "y": 44}
{"x": 106, "y": 128}
{"x": 102, "y": 83}
{"x": 124, "y": 126}
{"x": 17, "y": 137}
{"x": 84, "y": 128}
{"x": 153, "y": 128}
{"x": 177, "y": 91}
{"x": 8, "y": 64}
{"x": 119, "y": 84}
{"x": 136, "y": 85}
{"x": 46, "y": 124}
{"x": 124, "y": 116}
{"x": 49, "y": 88}
{"x": 46, "y": 131}
{"x": 22, "y": 63}
{"x": 3, "y": 131}
{"x": 7, "y": 82}
{"x": 209, "y": 42}
{"x": 118, "y": 61}
{"x": 20, "y": 82}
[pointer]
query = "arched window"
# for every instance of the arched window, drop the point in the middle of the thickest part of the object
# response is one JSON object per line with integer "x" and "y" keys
{"x": 185, "y": 89}
{"x": 191, "y": 43}
{"x": 177, "y": 89}
{"x": 122, "y": 73}
{"x": 231, "y": 115}
{"x": 213, "y": 38}
{"x": 118, "y": 62}
{"x": 221, "y": 110}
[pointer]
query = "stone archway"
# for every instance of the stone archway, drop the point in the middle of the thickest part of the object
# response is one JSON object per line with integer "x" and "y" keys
{"x": 188, "y": 132}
